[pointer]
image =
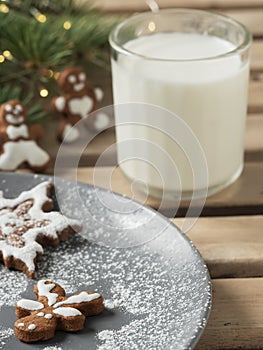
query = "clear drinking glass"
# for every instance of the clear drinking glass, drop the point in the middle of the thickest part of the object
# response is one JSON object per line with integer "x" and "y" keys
{"x": 194, "y": 64}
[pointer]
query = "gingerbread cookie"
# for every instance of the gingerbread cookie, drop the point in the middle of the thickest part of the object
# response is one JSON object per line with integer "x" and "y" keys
{"x": 77, "y": 102}
{"x": 38, "y": 320}
{"x": 26, "y": 223}
{"x": 18, "y": 140}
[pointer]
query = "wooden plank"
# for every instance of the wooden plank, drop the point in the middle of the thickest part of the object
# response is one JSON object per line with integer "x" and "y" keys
{"x": 250, "y": 13}
{"x": 251, "y": 18}
{"x": 253, "y": 144}
{"x": 257, "y": 55}
{"x": 106, "y": 141}
{"x": 91, "y": 154}
{"x": 253, "y": 138}
{"x": 236, "y": 320}
{"x": 242, "y": 197}
{"x": 138, "y": 5}
{"x": 230, "y": 246}
{"x": 255, "y": 100}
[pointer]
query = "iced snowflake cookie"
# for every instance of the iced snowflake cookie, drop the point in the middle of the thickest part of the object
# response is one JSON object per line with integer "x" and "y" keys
{"x": 26, "y": 223}
{"x": 76, "y": 103}
{"x": 18, "y": 141}
{"x": 38, "y": 320}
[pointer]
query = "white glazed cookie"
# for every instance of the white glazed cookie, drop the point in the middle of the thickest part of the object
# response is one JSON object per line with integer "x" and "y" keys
{"x": 28, "y": 222}
{"x": 18, "y": 141}
{"x": 78, "y": 103}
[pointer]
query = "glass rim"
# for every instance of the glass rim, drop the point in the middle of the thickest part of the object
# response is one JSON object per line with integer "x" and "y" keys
{"x": 120, "y": 48}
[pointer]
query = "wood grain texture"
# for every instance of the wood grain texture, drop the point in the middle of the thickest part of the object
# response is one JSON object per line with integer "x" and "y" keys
{"x": 230, "y": 246}
{"x": 138, "y": 5}
{"x": 251, "y": 18}
{"x": 250, "y": 13}
{"x": 255, "y": 100}
{"x": 253, "y": 138}
{"x": 257, "y": 55}
{"x": 245, "y": 196}
{"x": 236, "y": 319}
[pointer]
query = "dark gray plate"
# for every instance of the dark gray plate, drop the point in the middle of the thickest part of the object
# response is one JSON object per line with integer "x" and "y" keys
{"x": 155, "y": 284}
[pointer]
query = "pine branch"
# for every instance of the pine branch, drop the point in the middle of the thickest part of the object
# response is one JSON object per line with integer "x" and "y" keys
{"x": 40, "y": 37}
{"x": 32, "y": 42}
{"x": 55, "y": 7}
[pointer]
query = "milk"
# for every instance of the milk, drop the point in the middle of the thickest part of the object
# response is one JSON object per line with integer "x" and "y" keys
{"x": 210, "y": 95}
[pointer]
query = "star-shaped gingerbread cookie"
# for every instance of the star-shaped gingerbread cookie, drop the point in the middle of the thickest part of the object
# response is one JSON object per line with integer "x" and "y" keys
{"x": 27, "y": 223}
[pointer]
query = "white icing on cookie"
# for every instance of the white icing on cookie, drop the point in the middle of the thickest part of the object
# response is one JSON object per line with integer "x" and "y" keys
{"x": 15, "y": 132}
{"x": 30, "y": 304}
{"x": 55, "y": 223}
{"x": 67, "y": 311}
{"x": 82, "y": 105}
{"x": 79, "y": 298}
{"x": 18, "y": 108}
{"x": 15, "y": 153}
{"x": 32, "y": 326}
{"x": 8, "y": 108}
{"x": 82, "y": 76}
{"x": 70, "y": 133}
{"x": 60, "y": 103}
{"x": 48, "y": 316}
{"x": 98, "y": 93}
{"x": 72, "y": 79}
{"x": 14, "y": 120}
{"x": 78, "y": 87}
{"x": 21, "y": 324}
{"x": 101, "y": 121}
{"x": 41, "y": 314}
{"x": 44, "y": 290}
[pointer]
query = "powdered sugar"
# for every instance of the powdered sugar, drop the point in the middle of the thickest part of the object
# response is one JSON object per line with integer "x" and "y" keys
{"x": 5, "y": 334}
{"x": 155, "y": 297}
{"x": 12, "y": 285}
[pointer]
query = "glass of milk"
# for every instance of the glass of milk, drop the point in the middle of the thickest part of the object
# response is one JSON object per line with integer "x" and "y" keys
{"x": 193, "y": 65}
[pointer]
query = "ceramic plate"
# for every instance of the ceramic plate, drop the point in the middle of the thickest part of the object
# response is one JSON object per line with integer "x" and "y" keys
{"x": 155, "y": 284}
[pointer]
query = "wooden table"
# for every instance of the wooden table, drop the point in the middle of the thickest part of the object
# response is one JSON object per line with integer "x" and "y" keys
{"x": 229, "y": 235}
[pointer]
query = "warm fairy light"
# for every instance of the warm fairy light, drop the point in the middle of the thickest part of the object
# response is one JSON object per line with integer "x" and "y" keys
{"x": 50, "y": 73}
{"x": 40, "y": 17}
{"x": 4, "y": 8}
{"x": 8, "y": 54}
{"x": 43, "y": 92}
{"x": 67, "y": 25}
{"x": 2, "y": 58}
{"x": 56, "y": 75}
{"x": 151, "y": 26}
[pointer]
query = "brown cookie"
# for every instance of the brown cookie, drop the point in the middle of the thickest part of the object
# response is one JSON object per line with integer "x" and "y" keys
{"x": 77, "y": 102}
{"x": 18, "y": 140}
{"x": 26, "y": 223}
{"x": 38, "y": 320}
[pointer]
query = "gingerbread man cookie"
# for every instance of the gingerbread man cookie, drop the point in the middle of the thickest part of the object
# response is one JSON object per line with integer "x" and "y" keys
{"x": 18, "y": 140}
{"x": 78, "y": 102}
{"x": 38, "y": 320}
{"x": 26, "y": 223}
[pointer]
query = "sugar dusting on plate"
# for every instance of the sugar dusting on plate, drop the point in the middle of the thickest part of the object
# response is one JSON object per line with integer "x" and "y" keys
{"x": 152, "y": 300}
{"x": 12, "y": 284}
{"x": 5, "y": 334}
